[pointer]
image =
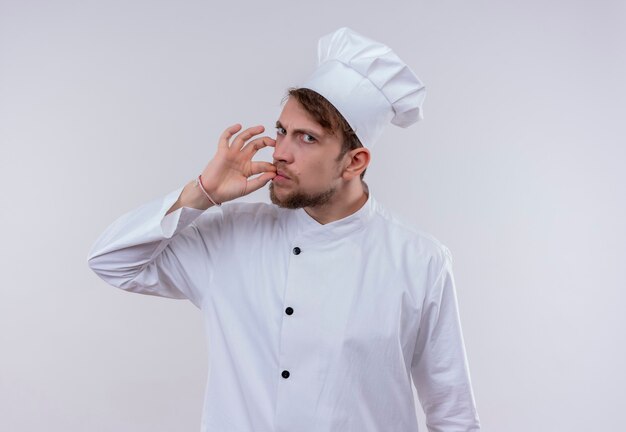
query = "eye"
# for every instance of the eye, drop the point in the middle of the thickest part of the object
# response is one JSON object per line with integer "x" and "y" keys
{"x": 280, "y": 130}
{"x": 309, "y": 138}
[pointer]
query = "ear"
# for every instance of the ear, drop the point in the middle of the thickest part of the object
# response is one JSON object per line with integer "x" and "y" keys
{"x": 356, "y": 161}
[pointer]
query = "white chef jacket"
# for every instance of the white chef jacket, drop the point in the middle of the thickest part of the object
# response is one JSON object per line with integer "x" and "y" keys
{"x": 310, "y": 327}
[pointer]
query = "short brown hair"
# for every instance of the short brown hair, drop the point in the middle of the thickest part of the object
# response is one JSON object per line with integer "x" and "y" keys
{"x": 327, "y": 116}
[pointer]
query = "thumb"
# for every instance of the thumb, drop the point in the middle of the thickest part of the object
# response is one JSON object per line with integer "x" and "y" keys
{"x": 259, "y": 182}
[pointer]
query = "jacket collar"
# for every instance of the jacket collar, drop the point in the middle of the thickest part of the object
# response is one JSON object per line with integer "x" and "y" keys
{"x": 311, "y": 230}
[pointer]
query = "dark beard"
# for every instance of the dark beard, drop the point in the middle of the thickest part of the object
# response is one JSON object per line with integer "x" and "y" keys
{"x": 299, "y": 200}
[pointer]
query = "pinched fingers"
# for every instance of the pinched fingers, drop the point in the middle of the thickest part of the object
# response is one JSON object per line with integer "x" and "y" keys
{"x": 259, "y": 182}
{"x": 261, "y": 167}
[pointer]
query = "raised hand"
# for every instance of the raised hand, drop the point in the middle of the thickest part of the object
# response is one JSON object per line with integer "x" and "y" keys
{"x": 226, "y": 176}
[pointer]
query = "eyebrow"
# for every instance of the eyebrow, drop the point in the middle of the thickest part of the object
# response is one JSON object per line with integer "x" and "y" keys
{"x": 301, "y": 130}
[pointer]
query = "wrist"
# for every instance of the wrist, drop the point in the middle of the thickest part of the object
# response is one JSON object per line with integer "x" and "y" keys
{"x": 192, "y": 197}
{"x": 198, "y": 183}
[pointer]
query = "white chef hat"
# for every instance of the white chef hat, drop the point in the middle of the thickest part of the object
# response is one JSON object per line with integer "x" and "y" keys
{"x": 367, "y": 83}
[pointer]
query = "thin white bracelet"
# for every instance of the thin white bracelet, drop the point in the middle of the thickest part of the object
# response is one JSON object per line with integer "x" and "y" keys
{"x": 199, "y": 183}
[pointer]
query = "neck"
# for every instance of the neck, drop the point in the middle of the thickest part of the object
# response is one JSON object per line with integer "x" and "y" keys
{"x": 344, "y": 202}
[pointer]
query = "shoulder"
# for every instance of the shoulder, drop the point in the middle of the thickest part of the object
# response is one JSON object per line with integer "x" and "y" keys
{"x": 242, "y": 210}
{"x": 408, "y": 238}
{"x": 245, "y": 215}
{"x": 241, "y": 224}
{"x": 250, "y": 209}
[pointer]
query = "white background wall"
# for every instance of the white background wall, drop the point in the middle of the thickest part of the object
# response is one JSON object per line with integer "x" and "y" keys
{"x": 517, "y": 168}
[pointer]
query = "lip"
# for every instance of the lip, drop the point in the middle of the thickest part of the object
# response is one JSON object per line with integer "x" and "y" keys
{"x": 280, "y": 176}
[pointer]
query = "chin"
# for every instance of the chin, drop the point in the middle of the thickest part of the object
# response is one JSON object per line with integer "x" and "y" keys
{"x": 296, "y": 200}
{"x": 277, "y": 197}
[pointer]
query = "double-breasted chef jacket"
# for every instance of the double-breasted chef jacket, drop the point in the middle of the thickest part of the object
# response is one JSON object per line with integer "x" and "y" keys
{"x": 311, "y": 327}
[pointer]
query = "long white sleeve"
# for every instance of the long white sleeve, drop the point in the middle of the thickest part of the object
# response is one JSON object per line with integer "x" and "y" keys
{"x": 147, "y": 252}
{"x": 439, "y": 367}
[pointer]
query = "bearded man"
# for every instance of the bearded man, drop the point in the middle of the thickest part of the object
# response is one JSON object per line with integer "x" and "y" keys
{"x": 321, "y": 308}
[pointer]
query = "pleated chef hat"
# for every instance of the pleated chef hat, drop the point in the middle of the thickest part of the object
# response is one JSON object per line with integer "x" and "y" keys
{"x": 367, "y": 83}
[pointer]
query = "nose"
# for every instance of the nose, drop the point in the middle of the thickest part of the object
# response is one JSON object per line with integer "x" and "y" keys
{"x": 282, "y": 149}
